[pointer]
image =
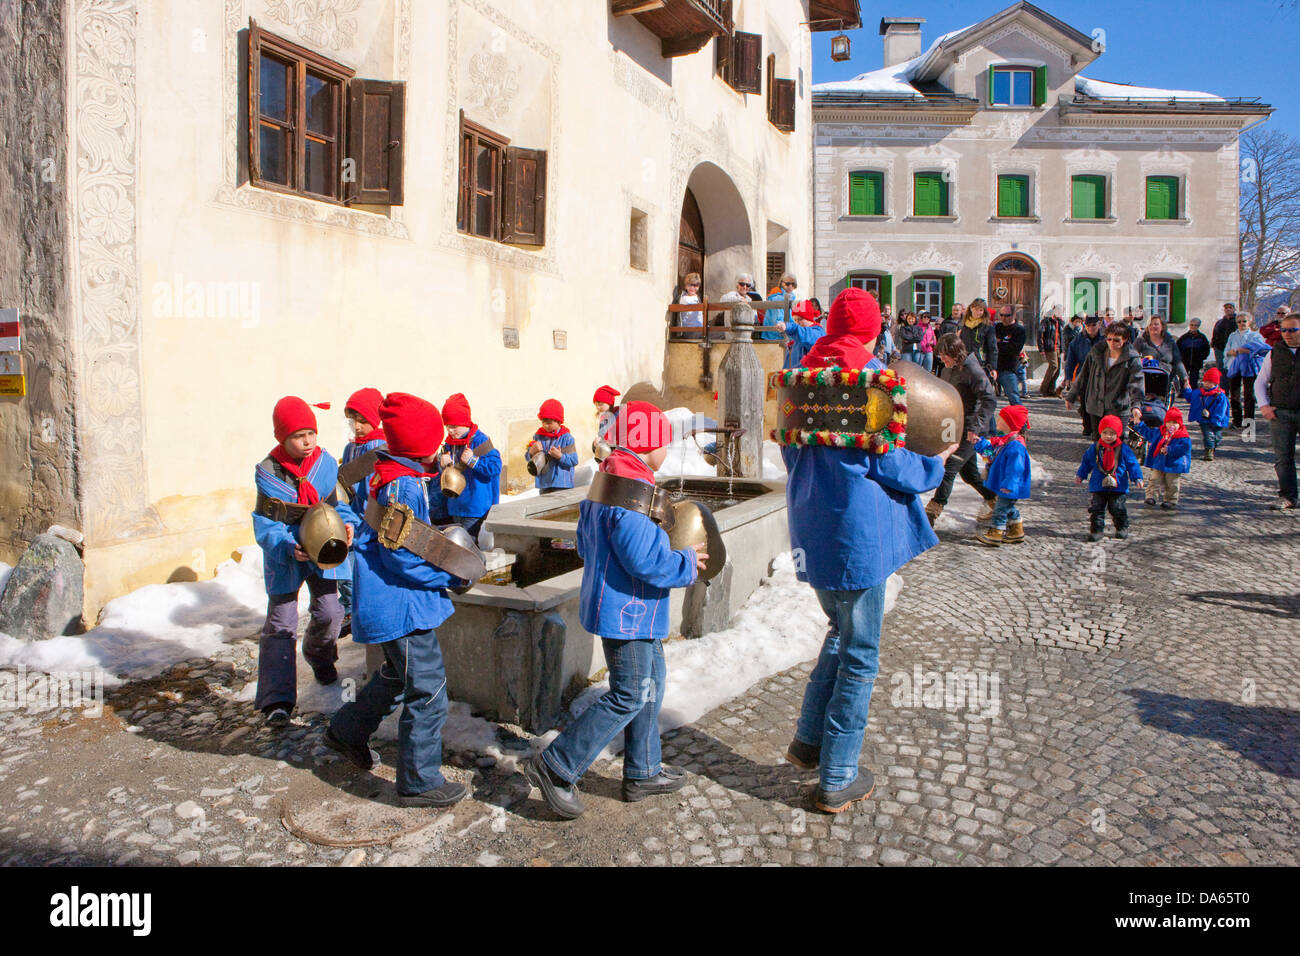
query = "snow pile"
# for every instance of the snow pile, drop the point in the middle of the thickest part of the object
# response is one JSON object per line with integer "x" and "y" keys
{"x": 965, "y": 503}
{"x": 893, "y": 80}
{"x": 5, "y": 571}
{"x": 143, "y": 633}
{"x": 1123, "y": 91}
{"x": 686, "y": 455}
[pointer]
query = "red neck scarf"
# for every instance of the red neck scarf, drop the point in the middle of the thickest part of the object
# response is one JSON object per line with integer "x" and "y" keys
{"x": 837, "y": 351}
{"x": 1108, "y": 455}
{"x": 307, "y": 493}
{"x": 997, "y": 441}
{"x": 388, "y": 470}
{"x": 1209, "y": 391}
{"x": 543, "y": 433}
{"x": 469, "y": 437}
{"x": 1166, "y": 438}
{"x": 375, "y": 434}
{"x": 626, "y": 464}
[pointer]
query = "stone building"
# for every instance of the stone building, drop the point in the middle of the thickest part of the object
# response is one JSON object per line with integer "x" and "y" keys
{"x": 989, "y": 165}
{"x": 210, "y": 205}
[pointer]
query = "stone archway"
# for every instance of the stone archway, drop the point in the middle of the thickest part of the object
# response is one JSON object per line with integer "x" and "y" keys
{"x": 728, "y": 238}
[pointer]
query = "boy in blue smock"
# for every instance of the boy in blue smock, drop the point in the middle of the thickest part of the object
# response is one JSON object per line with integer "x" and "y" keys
{"x": 854, "y": 519}
{"x": 801, "y": 333}
{"x": 400, "y": 600}
{"x": 295, "y": 476}
{"x": 1109, "y": 465}
{"x": 468, "y": 448}
{"x": 555, "y": 443}
{"x": 628, "y": 569}
{"x": 362, "y": 413}
{"x": 1169, "y": 457}
{"x": 1008, "y": 477}
{"x": 1209, "y": 409}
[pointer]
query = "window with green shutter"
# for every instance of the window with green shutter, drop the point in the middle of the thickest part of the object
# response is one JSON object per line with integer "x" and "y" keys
{"x": 1088, "y": 197}
{"x": 929, "y": 195}
{"x": 1177, "y": 301}
{"x": 1013, "y": 197}
{"x": 1086, "y": 297}
{"x": 866, "y": 193}
{"x": 1162, "y": 197}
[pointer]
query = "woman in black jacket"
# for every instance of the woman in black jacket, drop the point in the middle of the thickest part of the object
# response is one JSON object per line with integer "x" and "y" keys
{"x": 1109, "y": 380}
{"x": 978, "y": 401}
{"x": 978, "y": 337}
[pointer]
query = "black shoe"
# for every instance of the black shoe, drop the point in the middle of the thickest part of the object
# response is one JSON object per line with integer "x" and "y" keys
{"x": 1150, "y": 502}
{"x": 1169, "y": 506}
{"x": 439, "y": 798}
{"x": 326, "y": 674}
{"x": 346, "y": 629}
{"x": 669, "y": 780}
{"x": 837, "y": 801}
{"x": 360, "y": 756}
{"x": 277, "y": 715}
{"x": 1282, "y": 504}
{"x": 1121, "y": 532}
{"x": 802, "y": 755}
{"x": 561, "y": 797}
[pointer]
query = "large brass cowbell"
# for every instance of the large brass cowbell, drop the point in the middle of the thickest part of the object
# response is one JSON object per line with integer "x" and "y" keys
{"x": 323, "y": 536}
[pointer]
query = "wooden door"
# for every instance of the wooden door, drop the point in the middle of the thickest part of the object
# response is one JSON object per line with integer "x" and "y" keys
{"x": 690, "y": 241}
{"x": 1013, "y": 281}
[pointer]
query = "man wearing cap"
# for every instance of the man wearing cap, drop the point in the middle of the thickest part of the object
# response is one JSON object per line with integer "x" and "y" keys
{"x": 1194, "y": 348}
{"x": 1277, "y": 392}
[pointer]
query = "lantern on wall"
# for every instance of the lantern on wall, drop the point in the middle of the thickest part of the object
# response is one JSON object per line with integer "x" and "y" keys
{"x": 840, "y": 46}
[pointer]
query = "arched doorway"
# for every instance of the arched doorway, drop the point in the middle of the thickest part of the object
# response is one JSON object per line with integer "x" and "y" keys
{"x": 690, "y": 239}
{"x": 1014, "y": 282}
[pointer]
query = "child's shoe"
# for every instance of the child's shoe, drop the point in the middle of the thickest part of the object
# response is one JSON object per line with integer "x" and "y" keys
{"x": 326, "y": 674}
{"x": 986, "y": 513}
{"x": 277, "y": 715}
{"x": 359, "y": 756}
{"x": 1121, "y": 532}
{"x": 836, "y": 801}
{"x": 990, "y": 536}
{"x": 802, "y": 755}
{"x": 1150, "y": 502}
{"x": 1015, "y": 533}
{"x": 561, "y": 797}
{"x": 1209, "y": 455}
{"x": 1096, "y": 528}
{"x": 439, "y": 798}
{"x": 1168, "y": 506}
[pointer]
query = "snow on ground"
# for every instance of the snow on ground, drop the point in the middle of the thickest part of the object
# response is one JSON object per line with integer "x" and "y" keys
{"x": 1104, "y": 90}
{"x": 5, "y": 571}
{"x": 965, "y": 503}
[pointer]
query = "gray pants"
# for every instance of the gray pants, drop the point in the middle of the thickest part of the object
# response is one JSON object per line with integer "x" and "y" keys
{"x": 277, "y": 660}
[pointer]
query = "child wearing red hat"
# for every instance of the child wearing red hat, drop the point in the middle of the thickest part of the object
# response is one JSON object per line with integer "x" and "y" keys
{"x": 555, "y": 442}
{"x": 628, "y": 570}
{"x": 400, "y": 600}
{"x": 606, "y": 401}
{"x": 1169, "y": 457}
{"x": 468, "y": 448}
{"x": 362, "y": 413}
{"x": 1008, "y": 476}
{"x": 295, "y": 475}
{"x": 1109, "y": 465}
{"x": 1209, "y": 409}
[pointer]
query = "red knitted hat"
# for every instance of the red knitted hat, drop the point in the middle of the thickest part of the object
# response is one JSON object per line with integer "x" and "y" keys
{"x": 291, "y": 415}
{"x": 365, "y": 402}
{"x": 854, "y": 312}
{"x": 1212, "y": 375}
{"x": 551, "y": 408}
{"x": 805, "y": 310}
{"x": 1016, "y": 417}
{"x": 1173, "y": 415}
{"x": 455, "y": 412}
{"x": 641, "y": 427}
{"x": 1112, "y": 422}
{"x": 412, "y": 425}
{"x": 606, "y": 394}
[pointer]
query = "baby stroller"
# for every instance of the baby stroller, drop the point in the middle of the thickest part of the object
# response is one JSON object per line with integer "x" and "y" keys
{"x": 1157, "y": 386}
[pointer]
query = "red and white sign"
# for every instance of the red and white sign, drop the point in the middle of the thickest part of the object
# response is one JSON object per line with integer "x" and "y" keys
{"x": 10, "y": 331}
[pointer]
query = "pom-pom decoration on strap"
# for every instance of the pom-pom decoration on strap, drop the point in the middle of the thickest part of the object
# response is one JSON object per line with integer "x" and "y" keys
{"x": 841, "y": 408}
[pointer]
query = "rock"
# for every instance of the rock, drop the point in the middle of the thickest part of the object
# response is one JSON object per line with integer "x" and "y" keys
{"x": 355, "y": 858}
{"x": 188, "y": 857}
{"x": 160, "y": 826}
{"x": 188, "y": 810}
{"x": 43, "y": 597}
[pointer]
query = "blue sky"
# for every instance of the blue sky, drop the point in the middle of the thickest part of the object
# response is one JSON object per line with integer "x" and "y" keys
{"x": 1236, "y": 48}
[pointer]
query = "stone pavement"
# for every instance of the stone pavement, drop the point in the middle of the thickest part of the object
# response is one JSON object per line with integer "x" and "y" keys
{"x": 1131, "y": 702}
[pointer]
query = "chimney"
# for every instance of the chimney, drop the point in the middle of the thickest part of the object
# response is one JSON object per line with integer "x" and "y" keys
{"x": 902, "y": 38}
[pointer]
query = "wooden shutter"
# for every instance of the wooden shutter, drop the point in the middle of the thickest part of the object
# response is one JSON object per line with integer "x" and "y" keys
{"x": 775, "y": 268}
{"x": 1087, "y": 296}
{"x": 783, "y": 96}
{"x": 886, "y": 289}
{"x": 747, "y": 62}
{"x": 376, "y": 112}
{"x": 1162, "y": 197}
{"x": 722, "y": 57}
{"x": 991, "y": 70}
{"x": 254, "y": 94}
{"x": 858, "y": 194}
{"x": 1088, "y": 197}
{"x": 949, "y": 295}
{"x": 1177, "y": 300}
{"x": 925, "y": 190}
{"x": 1040, "y": 85}
{"x": 1013, "y": 196}
{"x": 523, "y": 199}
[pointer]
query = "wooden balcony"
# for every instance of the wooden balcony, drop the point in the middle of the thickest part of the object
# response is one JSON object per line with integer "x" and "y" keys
{"x": 683, "y": 26}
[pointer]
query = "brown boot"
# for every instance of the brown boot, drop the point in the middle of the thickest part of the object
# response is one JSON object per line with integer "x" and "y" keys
{"x": 986, "y": 513}
{"x": 1015, "y": 532}
{"x": 990, "y": 536}
{"x": 932, "y": 511}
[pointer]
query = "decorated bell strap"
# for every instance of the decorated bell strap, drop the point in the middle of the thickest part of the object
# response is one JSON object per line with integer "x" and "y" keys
{"x": 638, "y": 496}
{"x": 357, "y": 469}
{"x": 396, "y": 526}
{"x": 841, "y": 408}
{"x": 289, "y": 512}
{"x": 478, "y": 451}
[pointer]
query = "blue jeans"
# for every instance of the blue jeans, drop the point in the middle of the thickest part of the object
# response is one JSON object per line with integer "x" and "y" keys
{"x": 1022, "y": 375}
{"x": 1211, "y": 434}
{"x": 412, "y": 674}
{"x": 927, "y": 361}
{"x": 1004, "y": 510}
{"x": 637, "y": 676}
{"x": 838, "y": 696}
{"x": 1008, "y": 384}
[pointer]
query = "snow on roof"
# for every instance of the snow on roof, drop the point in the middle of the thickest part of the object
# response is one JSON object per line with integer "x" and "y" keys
{"x": 1123, "y": 91}
{"x": 888, "y": 81}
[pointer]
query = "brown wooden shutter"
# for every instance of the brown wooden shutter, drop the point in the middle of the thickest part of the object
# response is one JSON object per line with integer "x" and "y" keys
{"x": 775, "y": 269}
{"x": 722, "y": 58}
{"x": 376, "y": 110}
{"x": 523, "y": 201}
{"x": 783, "y": 96}
{"x": 254, "y": 92}
{"x": 747, "y": 52}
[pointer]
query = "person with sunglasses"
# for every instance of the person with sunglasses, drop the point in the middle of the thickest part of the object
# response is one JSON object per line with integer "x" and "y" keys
{"x": 1272, "y": 330}
{"x": 1277, "y": 390}
{"x": 1110, "y": 380}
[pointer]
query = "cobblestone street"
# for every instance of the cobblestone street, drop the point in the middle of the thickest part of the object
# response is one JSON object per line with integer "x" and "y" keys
{"x": 1138, "y": 703}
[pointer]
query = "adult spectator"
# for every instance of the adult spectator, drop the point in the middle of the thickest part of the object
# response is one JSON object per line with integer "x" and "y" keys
{"x": 1245, "y": 353}
{"x": 1109, "y": 381}
{"x": 1131, "y": 325}
{"x": 928, "y": 340}
{"x": 1083, "y": 343}
{"x": 979, "y": 401}
{"x": 1073, "y": 329}
{"x": 910, "y": 334}
{"x": 1194, "y": 349}
{"x": 953, "y": 322}
{"x": 1010, "y": 339}
{"x": 771, "y": 317}
{"x": 1226, "y": 325}
{"x": 693, "y": 322}
{"x": 1272, "y": 329}
{"x": 977, "y": 335}
{"x": 1277, "y": 389}
{"x": 1051, "y": 343}
{"x": 1155, "y": 343}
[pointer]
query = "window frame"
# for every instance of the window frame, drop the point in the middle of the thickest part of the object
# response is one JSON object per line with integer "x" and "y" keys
{"x": 937, "y": 280}
{"x": 1105, "y": 197}
{"x": 880, "y": 193}
{"x": 1010, "y": 70}
{"x": 468, "y": 191}
{"x": 1149, "y": 297}
{"x": 1176, "y": 210}
{"x": 945, "y": 204}
{"x": 301, "y": 60}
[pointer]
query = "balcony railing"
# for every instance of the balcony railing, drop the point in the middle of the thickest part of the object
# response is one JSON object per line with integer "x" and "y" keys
{"x": 683, "y": 26}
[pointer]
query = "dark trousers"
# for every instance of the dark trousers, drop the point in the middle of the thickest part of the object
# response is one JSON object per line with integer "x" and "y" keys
{"x": 1283, "y": 430}
{"x": 1090, "y": 423}
{"x": 1053, "y": 369}
{"x": 277, "y": 660}
{"x": 961, "y": 462}
{"x": 1235, "y": 384}
{"x": 412, "y": 674}
{"x": 1112, "y": 501}
{"x": 1194, "y": 376}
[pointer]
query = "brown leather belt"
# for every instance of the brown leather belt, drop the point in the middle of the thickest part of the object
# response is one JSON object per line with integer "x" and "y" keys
{"x": 396, "y": 526}
{"x": 277, "y": 509}
{"x": 357, "y": 468}
{"x": 634, "y": 495}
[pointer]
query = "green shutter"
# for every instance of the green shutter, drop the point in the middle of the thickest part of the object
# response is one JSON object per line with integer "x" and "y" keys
{"x": 857, "y": 194}
{"x": 1087, "y": 296}
{"x": 886, "y": 290}
{"x": 949, "y": 294}
{"x": 1040, "y": 85}
{"x": 1013, "y": 196}
{"x": 905, "y": 295}
{"x": 943, "y": 195}
{"x": 991, "y": 85}
{"x": 1162, "y": 197}
{"x": 930, "y": 192}
{"x": 1177, "y": 301}
{"x": 866, "y": 194}
{"x": 1088, "y": 198}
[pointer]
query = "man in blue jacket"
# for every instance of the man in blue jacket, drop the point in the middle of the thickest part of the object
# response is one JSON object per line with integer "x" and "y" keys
{"x": 855, "y": 517}
{"x": 628, "y": 569}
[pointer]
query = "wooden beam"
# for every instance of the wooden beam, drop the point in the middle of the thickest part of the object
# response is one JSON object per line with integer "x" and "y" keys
{"x": 682, "y": 46}
{"x": 623, "y": 8}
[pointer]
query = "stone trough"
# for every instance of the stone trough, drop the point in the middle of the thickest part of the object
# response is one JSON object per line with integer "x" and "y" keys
{"x": 515, "y": 646}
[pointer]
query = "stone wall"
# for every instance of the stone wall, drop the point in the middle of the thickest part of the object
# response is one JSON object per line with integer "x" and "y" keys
{"x": 38, "y": 471}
